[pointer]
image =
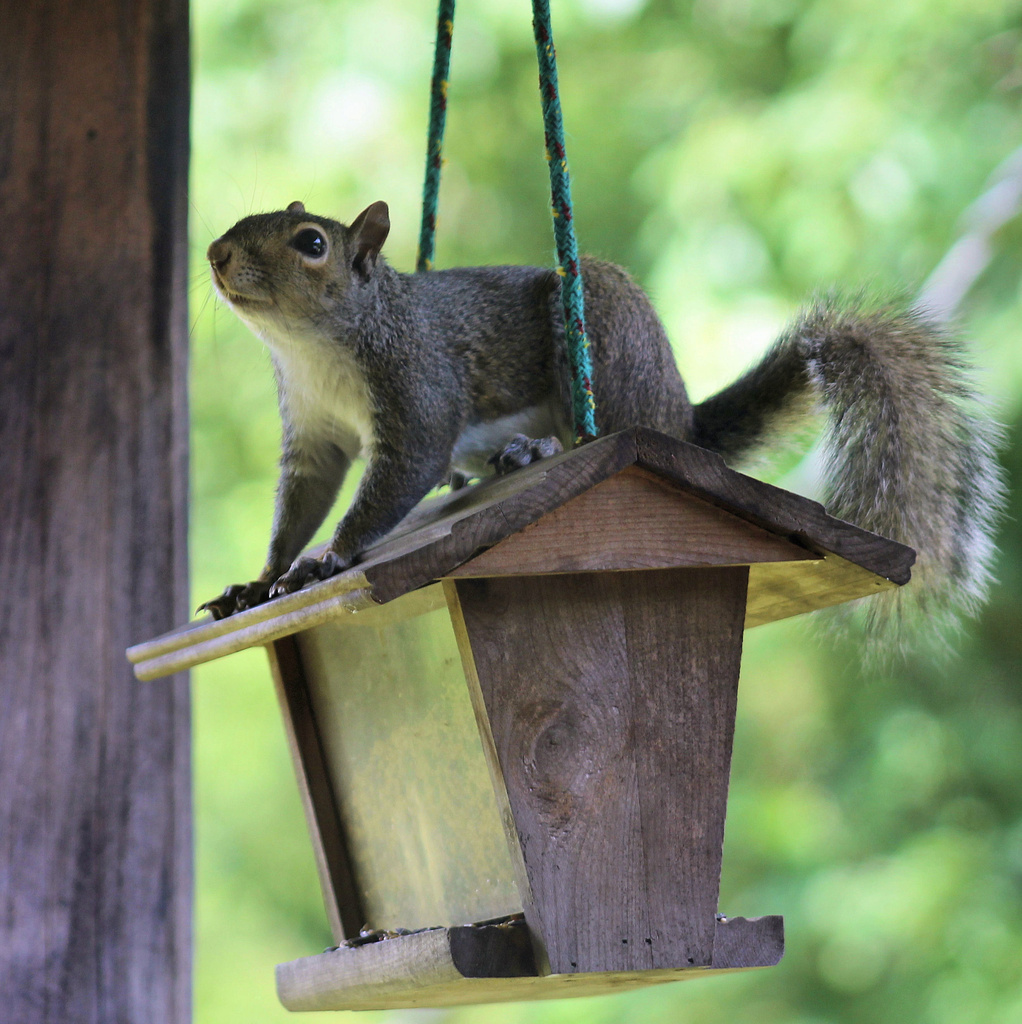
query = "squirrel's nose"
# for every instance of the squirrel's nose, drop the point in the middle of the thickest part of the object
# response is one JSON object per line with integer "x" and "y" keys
{"x": 219, "y": 254}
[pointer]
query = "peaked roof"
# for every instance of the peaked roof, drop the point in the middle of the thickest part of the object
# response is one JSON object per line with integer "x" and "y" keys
{"x": 631, "y": 500}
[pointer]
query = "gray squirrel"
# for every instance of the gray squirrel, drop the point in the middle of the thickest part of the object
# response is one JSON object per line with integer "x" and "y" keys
{"x": 447, "y": 375}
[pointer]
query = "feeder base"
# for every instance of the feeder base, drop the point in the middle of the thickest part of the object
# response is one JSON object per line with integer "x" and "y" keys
{"x": 490, "y": 963}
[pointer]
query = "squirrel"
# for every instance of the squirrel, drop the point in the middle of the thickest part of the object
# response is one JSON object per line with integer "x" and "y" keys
{"x": 447, "y": 375}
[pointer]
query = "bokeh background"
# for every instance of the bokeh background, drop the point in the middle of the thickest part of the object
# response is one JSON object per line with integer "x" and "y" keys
{"x": 735, "y": 155}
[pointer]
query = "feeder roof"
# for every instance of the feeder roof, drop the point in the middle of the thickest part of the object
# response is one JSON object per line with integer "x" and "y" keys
{"x": 637, "y": 499}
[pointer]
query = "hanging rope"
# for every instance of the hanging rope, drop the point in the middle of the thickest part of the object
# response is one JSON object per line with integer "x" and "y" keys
{"x": 435, "y": 142}
{"x": 583, "y": 404}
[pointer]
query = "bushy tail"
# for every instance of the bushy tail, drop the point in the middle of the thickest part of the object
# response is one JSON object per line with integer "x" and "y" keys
{"x": 908, "y": 453}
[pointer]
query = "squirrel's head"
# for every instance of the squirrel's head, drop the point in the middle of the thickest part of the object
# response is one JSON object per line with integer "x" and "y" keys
{"x": 289, "y": 267}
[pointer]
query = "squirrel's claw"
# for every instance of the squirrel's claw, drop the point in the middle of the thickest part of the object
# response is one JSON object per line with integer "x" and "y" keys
{"x": 240, "y": 596}
{"x": 308, "y": 570}
{"x": 522, "y": 451}
{"x": 236, "y": 598}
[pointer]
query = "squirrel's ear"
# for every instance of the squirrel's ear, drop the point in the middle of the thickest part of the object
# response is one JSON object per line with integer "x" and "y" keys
{"x": 368, "y": 232}
{"x": 296, "y": 207}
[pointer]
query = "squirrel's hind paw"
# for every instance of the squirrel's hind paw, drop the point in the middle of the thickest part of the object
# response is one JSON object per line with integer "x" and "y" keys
{"x": 308, "y": 570}
{"x": 523, "y": 451}
{"x": 236, "y": 598}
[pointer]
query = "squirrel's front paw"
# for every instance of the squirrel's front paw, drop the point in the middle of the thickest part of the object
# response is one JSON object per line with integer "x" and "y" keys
{"x": 236, "y": 598}
{"x": 308, "y": 570}
{"x": 521, "y": 451}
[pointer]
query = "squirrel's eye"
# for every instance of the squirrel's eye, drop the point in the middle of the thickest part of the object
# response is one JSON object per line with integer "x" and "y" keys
{"x": 309, "y": 242}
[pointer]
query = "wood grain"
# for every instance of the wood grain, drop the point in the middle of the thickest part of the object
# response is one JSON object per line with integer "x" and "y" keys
{"x": 705, "y": 474}
{"x": 611, "y": 703}
{"x": 500, "y": 793}
{"x": 349, "y": 585}
{"x": 747, "y": 942}
{"x": 429, "y": 969}
{"x": 95, "y": 834}
{"x": 633, "y": 520}
{"x": 269, "y": 622}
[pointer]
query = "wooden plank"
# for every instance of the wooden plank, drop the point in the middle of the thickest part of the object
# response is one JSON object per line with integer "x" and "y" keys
{"x": 448, "y": 967}
{"x": 610, "y": 700}
{"x": 329, "y": 845}
{"x": 269, "y": 622}
{"x": 707, "y": 476}
{"x": 745, "y": 942}
{"x": 683, "y": 631}
{"x": 633, "y": 520}
{"x": 348, "y": 586}
{"x": 95, "y": 805}
{"x": 507, "y": 818}
{"x": 778, "y": 590}
{"x": 417, "y": 966}
{"x": 346, "y": 597}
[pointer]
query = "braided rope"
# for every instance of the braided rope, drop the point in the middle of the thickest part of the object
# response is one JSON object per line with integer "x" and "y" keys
{"x": 583, "y": 404}
{"x": 434, "y": 145}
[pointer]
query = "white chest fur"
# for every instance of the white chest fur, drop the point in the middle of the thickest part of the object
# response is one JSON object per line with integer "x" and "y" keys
{"x": 324, "y": 392}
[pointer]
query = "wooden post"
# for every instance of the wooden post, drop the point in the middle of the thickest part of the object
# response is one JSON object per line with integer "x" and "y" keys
{"x": 95, "y": 843}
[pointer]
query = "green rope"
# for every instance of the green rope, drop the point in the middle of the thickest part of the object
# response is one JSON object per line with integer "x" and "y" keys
{"x": 583, "y": 404}
{"x": 434, "y": 146}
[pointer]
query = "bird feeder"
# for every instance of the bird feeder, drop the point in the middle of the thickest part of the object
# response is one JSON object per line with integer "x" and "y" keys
{"x": 512, "y": 723}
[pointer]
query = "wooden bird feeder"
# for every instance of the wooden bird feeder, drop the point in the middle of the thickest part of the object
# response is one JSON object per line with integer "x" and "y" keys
{"x": 583, "y": 619}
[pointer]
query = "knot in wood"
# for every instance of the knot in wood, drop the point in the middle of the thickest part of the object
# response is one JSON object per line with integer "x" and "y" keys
{"x": 571, "y": 751}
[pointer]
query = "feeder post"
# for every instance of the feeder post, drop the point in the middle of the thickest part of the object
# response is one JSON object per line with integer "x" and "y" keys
{"x": 606, "y": 704}
{"x": 95, "y": 816}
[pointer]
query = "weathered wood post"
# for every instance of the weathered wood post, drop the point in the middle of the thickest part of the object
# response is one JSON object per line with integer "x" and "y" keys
{"x": 95, "y": 836}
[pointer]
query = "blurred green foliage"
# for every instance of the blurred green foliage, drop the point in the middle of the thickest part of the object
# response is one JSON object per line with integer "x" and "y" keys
{"x": 736, "y": 155}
